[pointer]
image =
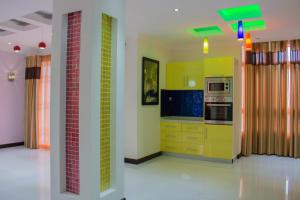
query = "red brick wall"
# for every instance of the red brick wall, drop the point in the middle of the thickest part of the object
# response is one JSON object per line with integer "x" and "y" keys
{"x": 72, "y": 103}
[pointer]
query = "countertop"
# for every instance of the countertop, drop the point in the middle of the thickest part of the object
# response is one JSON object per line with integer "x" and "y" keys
{"x": 184, "y": 119}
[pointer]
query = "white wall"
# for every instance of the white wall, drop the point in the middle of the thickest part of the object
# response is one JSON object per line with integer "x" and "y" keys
{"x": 149, "y": 116}
{"x": 142, "y": 123}
{"x": 193, "y": 51}
{"x": 12, "y": 98}
{"x": 131, "y": 102}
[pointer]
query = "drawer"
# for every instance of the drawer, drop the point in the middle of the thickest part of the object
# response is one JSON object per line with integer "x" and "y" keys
{"x": 191, "y": 127}
{"x": 170, "y": 126}
{"x": 173, "y": 147}
{"x": 193, "y": 149}
{"x": 170, "y": 135}
{"x": 193, "y": 137}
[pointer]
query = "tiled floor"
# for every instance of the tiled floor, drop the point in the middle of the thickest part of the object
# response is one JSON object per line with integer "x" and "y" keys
{"x": 24, "y": 175}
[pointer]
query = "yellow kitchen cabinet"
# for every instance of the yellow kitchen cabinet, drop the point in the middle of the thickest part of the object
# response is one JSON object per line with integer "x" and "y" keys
{"x": 193, "y": 139}
{"x": 218, "y": 141}
{"x": 184, "y": 76}
{"x": 170, "y": 126}
{"x": 198, "y": 139}
{"x": 171, "y": 146}
{"x": 219, "y": 67}
{"x": 171, "y": 137}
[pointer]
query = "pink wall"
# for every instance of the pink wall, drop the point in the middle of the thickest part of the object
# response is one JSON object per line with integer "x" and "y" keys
{"x": 12, "y": 98}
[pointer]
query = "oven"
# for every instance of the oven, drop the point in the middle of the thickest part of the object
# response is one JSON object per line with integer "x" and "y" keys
{"x": 218, "y": 101}
{"x": 218, "y": 112}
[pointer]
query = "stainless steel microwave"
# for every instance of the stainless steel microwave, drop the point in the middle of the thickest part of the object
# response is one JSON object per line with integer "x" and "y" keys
{"x": 218, "y": 86}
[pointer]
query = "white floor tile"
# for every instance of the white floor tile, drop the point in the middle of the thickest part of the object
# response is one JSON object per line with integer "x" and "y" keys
{"x": 25, "y": 175}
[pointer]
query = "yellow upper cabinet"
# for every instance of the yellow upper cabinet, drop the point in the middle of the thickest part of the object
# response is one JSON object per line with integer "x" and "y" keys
{"x": 219, "y": 67}
{"x": 185, "y": 76}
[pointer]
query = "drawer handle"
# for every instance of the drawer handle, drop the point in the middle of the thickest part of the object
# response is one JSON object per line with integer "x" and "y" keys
{"x": 191, "y": 149}
{"x": 192, "y": 138}
{"x": 171, "y": 136}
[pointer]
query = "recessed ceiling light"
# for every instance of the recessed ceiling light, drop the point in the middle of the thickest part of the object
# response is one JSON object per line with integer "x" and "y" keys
{"x": 9, "y": 43}
{"x": 176, "y": 10}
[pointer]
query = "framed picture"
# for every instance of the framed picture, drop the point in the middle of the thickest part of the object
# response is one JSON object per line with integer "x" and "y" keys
{"x": 150, "y": 82}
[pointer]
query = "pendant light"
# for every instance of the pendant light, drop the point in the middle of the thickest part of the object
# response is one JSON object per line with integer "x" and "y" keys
{"x": 42, "y": 45}
{"x": 248, "y": 42}
{"x": 205, "y": 46}
{"x": 240, "y": 32}
{"x": 17, "y": 49}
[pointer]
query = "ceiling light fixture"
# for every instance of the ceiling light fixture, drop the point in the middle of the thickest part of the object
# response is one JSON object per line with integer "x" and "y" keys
{"x": 9, "y": 43}
{"x": 205, "y": 46}
{"x": 42, "y": 45}
{"x": 248, "y": 42}
{"x": 176, "y": 10}
{"x": 17, "y": 49}
{"x": 240, "y": 33}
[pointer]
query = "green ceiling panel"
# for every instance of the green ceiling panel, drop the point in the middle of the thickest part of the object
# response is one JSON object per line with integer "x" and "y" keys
{"x": 240, "y": 13}
{"x": 207, "y": 31}
{"x": 250, "y": 25}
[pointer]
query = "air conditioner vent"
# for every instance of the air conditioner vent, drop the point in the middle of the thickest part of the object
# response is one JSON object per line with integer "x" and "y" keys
{"x": 44, "y": 14}
{"x": 20, "y": 23}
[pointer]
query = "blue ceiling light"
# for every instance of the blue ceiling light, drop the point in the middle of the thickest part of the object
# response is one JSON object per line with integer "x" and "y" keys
{"x": 240, "y": 32}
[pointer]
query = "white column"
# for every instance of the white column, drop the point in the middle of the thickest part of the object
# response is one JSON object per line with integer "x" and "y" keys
{"x": 89, "y": 111}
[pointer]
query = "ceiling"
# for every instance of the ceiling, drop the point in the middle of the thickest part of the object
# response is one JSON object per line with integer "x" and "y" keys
{"x": 157, "y": 18}
{"x": 38, "y": 29}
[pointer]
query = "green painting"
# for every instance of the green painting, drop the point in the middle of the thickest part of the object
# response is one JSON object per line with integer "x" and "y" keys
{"x": 150, "y": 82}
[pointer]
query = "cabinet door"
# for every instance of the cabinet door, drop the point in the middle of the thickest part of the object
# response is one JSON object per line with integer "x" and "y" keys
{"x": 170, "y": 126}
{"x": 170, "y": 135}
{"x": 178, "y": 76}
{"x": 218, "y": 67}
{"x": 218, "y": 141}
{"x": 171, "y": 146}
{"x": 193, "y": 138}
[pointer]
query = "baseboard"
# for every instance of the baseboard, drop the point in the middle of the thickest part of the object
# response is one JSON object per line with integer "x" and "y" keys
{"x": 239, "y": 156}
{"x": 2, "y": 146}
{"x": 142, "y": 160}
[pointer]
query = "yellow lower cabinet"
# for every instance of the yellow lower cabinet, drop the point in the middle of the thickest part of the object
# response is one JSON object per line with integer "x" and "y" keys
{"x": 218, "y": 141}
{"x": 170, "y": 126}
{"x": 193, "y": 149}
{"x": 171, "y": 146}
{"x": 192, "y": 127}
{"x": 168, "y": 135}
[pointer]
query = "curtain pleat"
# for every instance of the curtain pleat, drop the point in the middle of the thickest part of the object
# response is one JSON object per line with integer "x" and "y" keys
{"x": 295, "y": 100}
{"x": 44, "y": 103}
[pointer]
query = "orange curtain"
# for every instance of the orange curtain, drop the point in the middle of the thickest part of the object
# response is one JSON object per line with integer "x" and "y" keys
{"x": 295, "y": 99}
{"x": 266, "y": 100}
{"x": 31, "y": 101}
{"x": 37, "y": 102}
{"x": 44, "y": 103}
